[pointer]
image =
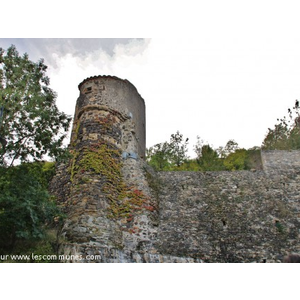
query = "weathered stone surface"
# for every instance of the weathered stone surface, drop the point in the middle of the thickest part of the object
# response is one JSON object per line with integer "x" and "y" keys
{"x": 117, "y": 95}
{"x": 91, "y": 254}
{"x": 119, "y": 210}
{"x": 104, "y": 188}
{"x": 229, "y": 216}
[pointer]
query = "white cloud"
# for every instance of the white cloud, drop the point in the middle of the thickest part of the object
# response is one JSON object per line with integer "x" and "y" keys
{"x": 236, "y": 70}
{"x": 68, "y": 69}
{"x": 194, "y": 85}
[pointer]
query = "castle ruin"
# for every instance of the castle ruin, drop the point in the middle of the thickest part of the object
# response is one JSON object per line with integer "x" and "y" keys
{"x": 119, "y": 210}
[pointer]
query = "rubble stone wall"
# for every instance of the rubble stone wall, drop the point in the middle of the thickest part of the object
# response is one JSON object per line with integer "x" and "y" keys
{"x": 237, "y": 216}
{"x": 119, "y": 210}
{"x": 115, "y": 95}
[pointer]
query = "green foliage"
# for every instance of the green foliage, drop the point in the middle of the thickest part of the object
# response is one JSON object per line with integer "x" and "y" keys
{"x": 279, "y": 226}
{"x": 168, "y": 155}
{"x": 35, "y": 251}
{"x": 178, "y": 149}
{"x": 228, "y": 158}
{"x": 286, "y": 133}
{"x": 158, "y": 156}
{"x": 104, "y": 159}
{"x": 236, "y": 160}
{"x": 209, "y": 160}
{"x": 26, "y": 207}
{"x": 30, "y": 121}
{"x": 189, "y": 165}
{"x": 230, "y": 147}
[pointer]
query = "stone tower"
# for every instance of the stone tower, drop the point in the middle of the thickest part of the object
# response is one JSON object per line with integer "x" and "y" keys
{"x": 109, "y": 205}
{"x": 111, "y": 96}
{"x": 119, "y": 210}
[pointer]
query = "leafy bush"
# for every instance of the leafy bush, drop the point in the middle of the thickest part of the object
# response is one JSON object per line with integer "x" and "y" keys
{"x": 236, "y": 160}
{"x": 171, "y": 156}
{"x": 168, "y": 156}
{"x": 26, "y": 207}
{"x": 286, "y": 133}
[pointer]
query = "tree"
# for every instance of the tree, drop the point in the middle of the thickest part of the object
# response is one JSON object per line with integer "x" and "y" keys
{"x": 237, "y": 160}
{"x": 168, "y": 155}
{"x": 209, "y": 159}
{"x": 230, "y": 147}
{"x": 158, "y": 156}
{"x": 178, "y": 149}
{"x": 286, "y": 133}
{"x": 31, "y": 126}
{"x": 198, "y": 146}
{"x": 26, "y": 207}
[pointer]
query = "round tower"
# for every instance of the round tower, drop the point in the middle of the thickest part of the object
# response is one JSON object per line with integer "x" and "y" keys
{"x": 108, "y": 202}
{"x": 110, "y": 95}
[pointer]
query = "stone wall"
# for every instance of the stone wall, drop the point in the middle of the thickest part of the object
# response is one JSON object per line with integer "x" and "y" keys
{"x": 103, "y": 189}
{"x": 238, "y": 216}
{"x": 119, "y": 210}
{"x": 278, "y": 161}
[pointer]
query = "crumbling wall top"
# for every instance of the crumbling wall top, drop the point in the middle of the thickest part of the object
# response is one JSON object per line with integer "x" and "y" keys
{"x": 108, "y": 77}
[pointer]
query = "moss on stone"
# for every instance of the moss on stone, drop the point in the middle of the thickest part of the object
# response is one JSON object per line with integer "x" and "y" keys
{"x": 104, "y": 159}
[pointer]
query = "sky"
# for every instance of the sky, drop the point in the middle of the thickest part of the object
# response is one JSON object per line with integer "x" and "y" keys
{"x": 230, "y": 76}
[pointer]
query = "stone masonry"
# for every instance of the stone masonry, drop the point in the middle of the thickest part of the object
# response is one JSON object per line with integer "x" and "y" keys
{"x": 119, "y": 210}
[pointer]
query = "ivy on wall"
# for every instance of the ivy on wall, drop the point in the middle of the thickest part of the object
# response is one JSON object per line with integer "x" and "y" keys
{"x": 104, "y": 159}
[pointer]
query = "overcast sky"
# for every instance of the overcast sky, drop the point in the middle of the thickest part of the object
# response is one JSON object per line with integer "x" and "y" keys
{"x": 230, "y": 79}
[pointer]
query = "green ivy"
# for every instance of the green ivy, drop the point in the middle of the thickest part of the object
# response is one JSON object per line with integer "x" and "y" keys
{"x": 104, "y": 159}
